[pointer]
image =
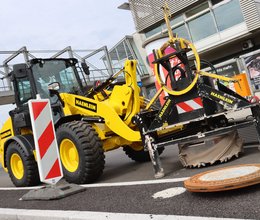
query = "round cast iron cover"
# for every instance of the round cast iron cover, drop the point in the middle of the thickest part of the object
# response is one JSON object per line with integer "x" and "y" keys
{"x": 227, "y": 178}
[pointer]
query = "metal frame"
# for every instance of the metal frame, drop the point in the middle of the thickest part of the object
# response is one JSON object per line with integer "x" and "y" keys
{"x": 7, "y": 67}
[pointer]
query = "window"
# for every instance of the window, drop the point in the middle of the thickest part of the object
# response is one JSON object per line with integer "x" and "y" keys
{"x": 128, "y": 52}
{"x": 202, "y": 27}
{"x": 257, "y": 2}
{"x": 24, "y": 90}
{"x": 228, "y": 15}
{"x": 121, "y": 51}
{"x": 151, "y": 91}
{"x": 197, "y": 9}
{"x": 153, "y": 31}
{"x": 182, "y": 32}
{"x": 214, "y": 2}
{"x": 114, "y": 57}
{"x": 49, "y": 71}
{"x": 230, "y": 69}
{"x": 68, "y": 80}
{"x": 176, "y": 20}
{"x": 253, "y": 66}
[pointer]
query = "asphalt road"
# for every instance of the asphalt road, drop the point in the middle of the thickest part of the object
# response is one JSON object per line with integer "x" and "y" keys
{"x": 240, "y": 203}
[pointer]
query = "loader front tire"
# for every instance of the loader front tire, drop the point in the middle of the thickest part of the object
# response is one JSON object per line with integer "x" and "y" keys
{"x": 22, "y": 168}
{"x": 81, "y": 152}
{"x": 139, "y": 155}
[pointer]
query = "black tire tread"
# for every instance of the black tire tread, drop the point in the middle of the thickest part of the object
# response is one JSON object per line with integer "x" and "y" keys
{"x": 91, "y": 152}
{"x": 139, "y": 156}
{"x": 31, "y": 177}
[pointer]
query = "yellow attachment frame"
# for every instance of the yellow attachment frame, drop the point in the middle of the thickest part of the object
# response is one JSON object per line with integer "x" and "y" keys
{"x": 184, "y": 44}
{"x": 215, "y": 76}
{"x": 160, "y": 54}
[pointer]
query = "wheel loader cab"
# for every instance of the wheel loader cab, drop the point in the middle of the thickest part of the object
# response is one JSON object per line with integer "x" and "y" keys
{"x": 35, "y": 78}
{"x": 29, "y": 80}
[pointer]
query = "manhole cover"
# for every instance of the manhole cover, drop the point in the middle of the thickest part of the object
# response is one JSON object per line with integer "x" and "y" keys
{"x": 226, "y": 178}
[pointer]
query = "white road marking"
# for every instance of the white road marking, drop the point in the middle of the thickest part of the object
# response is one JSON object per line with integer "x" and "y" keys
{"x": 132, "y": 183}
{"x": 20, "y": 188}
{"x": 168, "y": 193}
{"x": 32, "y": 214}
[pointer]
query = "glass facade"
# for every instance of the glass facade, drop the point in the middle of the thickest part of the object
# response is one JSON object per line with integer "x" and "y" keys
{"x": 203, "y": 6}
{"x": 228, "y": 15}
{"x": 204, "y": 20}
{"x": 176, "y": 20}
{"x": 154, "y": 31}
{"x": 202, "y": 27}
{"x": 182, "y": 32}
{"x": 124, "y": 50}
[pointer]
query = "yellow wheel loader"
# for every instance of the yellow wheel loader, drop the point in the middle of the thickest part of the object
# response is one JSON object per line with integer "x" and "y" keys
{"x": 112, "y": 115}
{"x": 87, "y": 123}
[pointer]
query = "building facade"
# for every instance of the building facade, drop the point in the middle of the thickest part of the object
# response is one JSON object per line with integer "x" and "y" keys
{"x": 225, "y": 32}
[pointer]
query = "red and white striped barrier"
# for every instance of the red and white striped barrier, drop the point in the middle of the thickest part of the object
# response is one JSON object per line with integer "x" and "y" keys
{"x": 189, "y": 105}
{"x": 46, "y": 146}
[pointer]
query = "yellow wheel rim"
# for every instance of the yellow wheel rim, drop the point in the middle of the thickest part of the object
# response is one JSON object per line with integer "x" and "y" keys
{"x": 17, "y": 167}
{"x": 69, "y": 155}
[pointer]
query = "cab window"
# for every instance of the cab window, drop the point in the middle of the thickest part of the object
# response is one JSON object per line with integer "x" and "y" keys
{"x": 68, "y": 80}
{"x": 24, "y": 90}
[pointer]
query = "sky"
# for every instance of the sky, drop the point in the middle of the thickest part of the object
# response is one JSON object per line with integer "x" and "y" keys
{"x": 56, "y": 24}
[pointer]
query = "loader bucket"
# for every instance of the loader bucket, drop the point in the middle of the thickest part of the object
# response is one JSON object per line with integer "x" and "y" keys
{"x": 215, "y": 149}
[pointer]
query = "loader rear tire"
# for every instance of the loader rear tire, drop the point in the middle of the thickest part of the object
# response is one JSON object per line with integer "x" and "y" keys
{"x": 140, "y": 155}
{"x": 22, "y": 168}
{"x": 81, "y": 152}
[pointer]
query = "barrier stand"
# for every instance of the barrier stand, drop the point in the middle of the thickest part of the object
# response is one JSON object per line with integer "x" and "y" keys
{"x": 47, "y": 154}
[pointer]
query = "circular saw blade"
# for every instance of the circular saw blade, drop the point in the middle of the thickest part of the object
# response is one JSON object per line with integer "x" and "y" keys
{"x": 220, "y": 148}
{"x": 227, "y": 178}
